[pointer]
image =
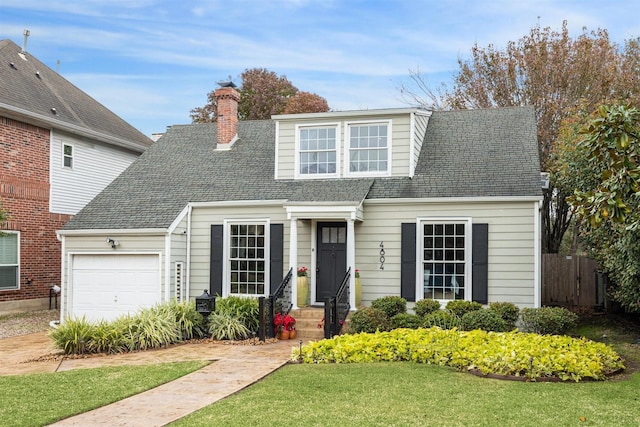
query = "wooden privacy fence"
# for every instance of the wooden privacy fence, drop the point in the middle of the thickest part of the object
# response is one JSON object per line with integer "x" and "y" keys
{"x": 571, "y": 281}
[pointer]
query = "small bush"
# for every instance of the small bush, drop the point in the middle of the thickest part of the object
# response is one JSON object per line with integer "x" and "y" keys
{"x": 547, "y": 320}
{"x": 443, "y": 319}
{"x": 406, "y": 320}
{"x": 225, "y": 326}
{"x": 507, "y": 311}
{"x": 462, "y": 307}
{"x": 150, "y": 328}
{"x": 244, "y": 308}
{"x": 369, "y": 319}
{"x": 486, "y": 320}
{"x": 108, "y": 337}
{"x": 73, "y": 336}
{"x": 391, "y": 305}
{"x": 426, "y": 306}
{"x": 189, "y": 321}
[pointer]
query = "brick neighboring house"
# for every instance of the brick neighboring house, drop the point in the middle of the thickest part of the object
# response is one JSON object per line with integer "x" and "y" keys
{"x": 58, "y": 149}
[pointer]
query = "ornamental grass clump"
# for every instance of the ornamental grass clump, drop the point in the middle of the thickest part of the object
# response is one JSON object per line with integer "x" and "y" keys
{"x": 443, "y": 319}
{"x": 516, "y": 354}
{"x": 74, "y": 335}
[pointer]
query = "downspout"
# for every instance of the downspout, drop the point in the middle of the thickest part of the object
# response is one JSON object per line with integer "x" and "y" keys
{"x": 63, "y": 277}
{"x": 187, "y": 274}
{"x": 537, "y": 250}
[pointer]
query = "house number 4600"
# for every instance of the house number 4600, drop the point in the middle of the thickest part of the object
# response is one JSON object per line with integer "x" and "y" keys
{"x": 381, "y": 255}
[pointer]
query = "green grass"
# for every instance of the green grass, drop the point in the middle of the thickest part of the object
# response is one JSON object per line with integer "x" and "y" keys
{"x": 40, "y": 399}
{"x": 403, "y": 394}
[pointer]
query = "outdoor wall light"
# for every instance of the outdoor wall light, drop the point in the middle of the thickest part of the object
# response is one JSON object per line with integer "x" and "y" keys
{"x": 112, "y": 242}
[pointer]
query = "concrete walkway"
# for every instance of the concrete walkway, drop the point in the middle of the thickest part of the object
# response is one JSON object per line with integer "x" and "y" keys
{"x": 233, "y": 368}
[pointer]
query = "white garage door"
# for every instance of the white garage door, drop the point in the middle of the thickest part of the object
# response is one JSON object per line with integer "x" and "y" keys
{"x": 106, "y": 286}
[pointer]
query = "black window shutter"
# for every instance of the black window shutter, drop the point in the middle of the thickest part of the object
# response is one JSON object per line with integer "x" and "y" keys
{"x": 215, "y": 265}
{"x": 408, "y": 262}
{"x": 480, "y": 263}
{"x": 276, "y": 245}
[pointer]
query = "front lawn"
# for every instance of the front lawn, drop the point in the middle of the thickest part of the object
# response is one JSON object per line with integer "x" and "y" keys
{"x": 412, "y": 394}
{"x": 40, "y": 399}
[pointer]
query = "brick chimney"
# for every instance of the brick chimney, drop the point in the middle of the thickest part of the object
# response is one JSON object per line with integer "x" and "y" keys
{"x": 227, "y": 98}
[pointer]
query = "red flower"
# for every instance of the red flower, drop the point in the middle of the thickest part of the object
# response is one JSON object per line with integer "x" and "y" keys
{"x": 286, "y": 322}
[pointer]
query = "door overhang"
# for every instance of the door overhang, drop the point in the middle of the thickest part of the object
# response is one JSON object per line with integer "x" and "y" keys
{"x": 325, "y": 211}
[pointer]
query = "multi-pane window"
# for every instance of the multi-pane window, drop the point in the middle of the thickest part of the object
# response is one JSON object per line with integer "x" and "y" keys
{"x": 67, "y": 156}
{"x": 9, "y": 260}
{"x": 368, "y": 148}
{"x": 444, "y": 260}
{"x": 318, "y": 154}
{"x": 247, "y": 259}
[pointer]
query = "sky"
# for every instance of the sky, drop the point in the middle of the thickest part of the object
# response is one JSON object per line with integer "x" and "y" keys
{"x": 152, "y": 61}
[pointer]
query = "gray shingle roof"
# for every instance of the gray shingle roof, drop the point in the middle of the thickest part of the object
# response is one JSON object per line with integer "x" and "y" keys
{"x": 22, "y": 91}
{"x": 474, "y": 153}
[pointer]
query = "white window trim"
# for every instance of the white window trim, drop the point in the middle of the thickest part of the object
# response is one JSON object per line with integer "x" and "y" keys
{"x": 17, "y": 288}
{"x": 226, "y": 270}
{"x": 337, "y": 126}
{"x": 347, "y": 139}
{"x": 72, "y": 156}
{"x": 468, "y": 230}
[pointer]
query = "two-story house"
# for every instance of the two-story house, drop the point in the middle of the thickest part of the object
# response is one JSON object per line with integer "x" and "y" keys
{"x": 442, "y": 205}
{"x": 58, "y": 149}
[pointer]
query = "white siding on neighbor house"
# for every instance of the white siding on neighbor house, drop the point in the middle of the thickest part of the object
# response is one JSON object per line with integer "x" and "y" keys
{"x": 97, "y": 244}
{"x": 201, "y": 220}
{"x": 512, "y": 274}
{"x": 95, "y": 165}
{"x": 401, "y": 143}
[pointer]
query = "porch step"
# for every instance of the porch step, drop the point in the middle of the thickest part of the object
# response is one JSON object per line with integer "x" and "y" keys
{"x": 307, "y": 321}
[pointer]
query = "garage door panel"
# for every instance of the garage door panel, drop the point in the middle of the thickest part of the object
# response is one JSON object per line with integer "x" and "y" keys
{"x": 107, "y": 286}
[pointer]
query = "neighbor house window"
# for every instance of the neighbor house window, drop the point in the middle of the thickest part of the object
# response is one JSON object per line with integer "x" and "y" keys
{"x": 445, "y": 260}
{"x": 9, "y": 260}
{"x": 317, "y": 153}
{"x": 67, "y": 156}
{"x": 247, "y": 259}
{"x": 369, "y": 148}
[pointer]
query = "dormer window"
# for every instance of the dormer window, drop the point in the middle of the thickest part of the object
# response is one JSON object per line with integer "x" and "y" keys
{"x": 369, "y": 149}
{"x": 317, "y": 151}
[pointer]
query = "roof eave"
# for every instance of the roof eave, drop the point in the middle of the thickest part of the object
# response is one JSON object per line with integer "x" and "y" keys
{"x": 48, "y": 122}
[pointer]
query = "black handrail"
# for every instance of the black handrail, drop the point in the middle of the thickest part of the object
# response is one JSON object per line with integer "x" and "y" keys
{"x": 279, "y": 301}
{"x": 336, "y": 308}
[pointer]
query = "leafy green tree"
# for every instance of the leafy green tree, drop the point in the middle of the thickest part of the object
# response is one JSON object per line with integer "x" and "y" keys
{"x": 604, "y": 169}
{"x": 263, "y": 94}
{"x": 553, "y": 72}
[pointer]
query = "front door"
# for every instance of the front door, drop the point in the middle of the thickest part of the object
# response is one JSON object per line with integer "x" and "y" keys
{"x": 331, "y": 263}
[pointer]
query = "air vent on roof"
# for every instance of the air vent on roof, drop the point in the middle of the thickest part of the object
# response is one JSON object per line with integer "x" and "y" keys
{"x": 24, "y": 41}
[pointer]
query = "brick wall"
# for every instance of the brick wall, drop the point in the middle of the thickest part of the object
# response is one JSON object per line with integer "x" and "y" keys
{"x": 24, "y": 192}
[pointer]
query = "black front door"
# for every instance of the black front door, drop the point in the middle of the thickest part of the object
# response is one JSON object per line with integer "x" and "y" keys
{"x": 332, "y": 258}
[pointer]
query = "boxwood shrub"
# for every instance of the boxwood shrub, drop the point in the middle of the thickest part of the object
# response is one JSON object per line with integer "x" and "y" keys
{"x": 462, "y": 307}
{"x": 391, "y": 305}
{"x": 547, "y": 320}
{"x": 406, "y": 320}
{"x": 486, "y": 320}
{"x": 426, "y": 306}
{"x": 508, "y": 311}
{"x": 369, "y": 319}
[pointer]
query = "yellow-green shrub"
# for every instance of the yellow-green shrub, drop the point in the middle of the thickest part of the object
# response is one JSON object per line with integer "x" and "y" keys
{"x": 507, "y": 353}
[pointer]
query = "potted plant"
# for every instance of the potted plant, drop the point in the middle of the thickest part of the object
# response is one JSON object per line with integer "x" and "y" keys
{"x": 303, "y": 287}
{"x": 284, "y": 325}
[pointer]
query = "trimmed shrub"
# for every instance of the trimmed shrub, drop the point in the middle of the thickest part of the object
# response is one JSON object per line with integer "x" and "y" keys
{"x": 406, "y": 320}
{"x": 426, "y": 306}
{"x": 245, "y": 309}
{"x": 547, "y": 320}
{"x": 443, "y": 319}
{"x": 391, "y": 305}
{"x": 507, "y": 311}
{"x": 369, "y": 319}
{"x": 461, "y": 307}
{"x": 225, "y": 326}
{"x": 73, "y": 336}
{"x": 486, "y": 320}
